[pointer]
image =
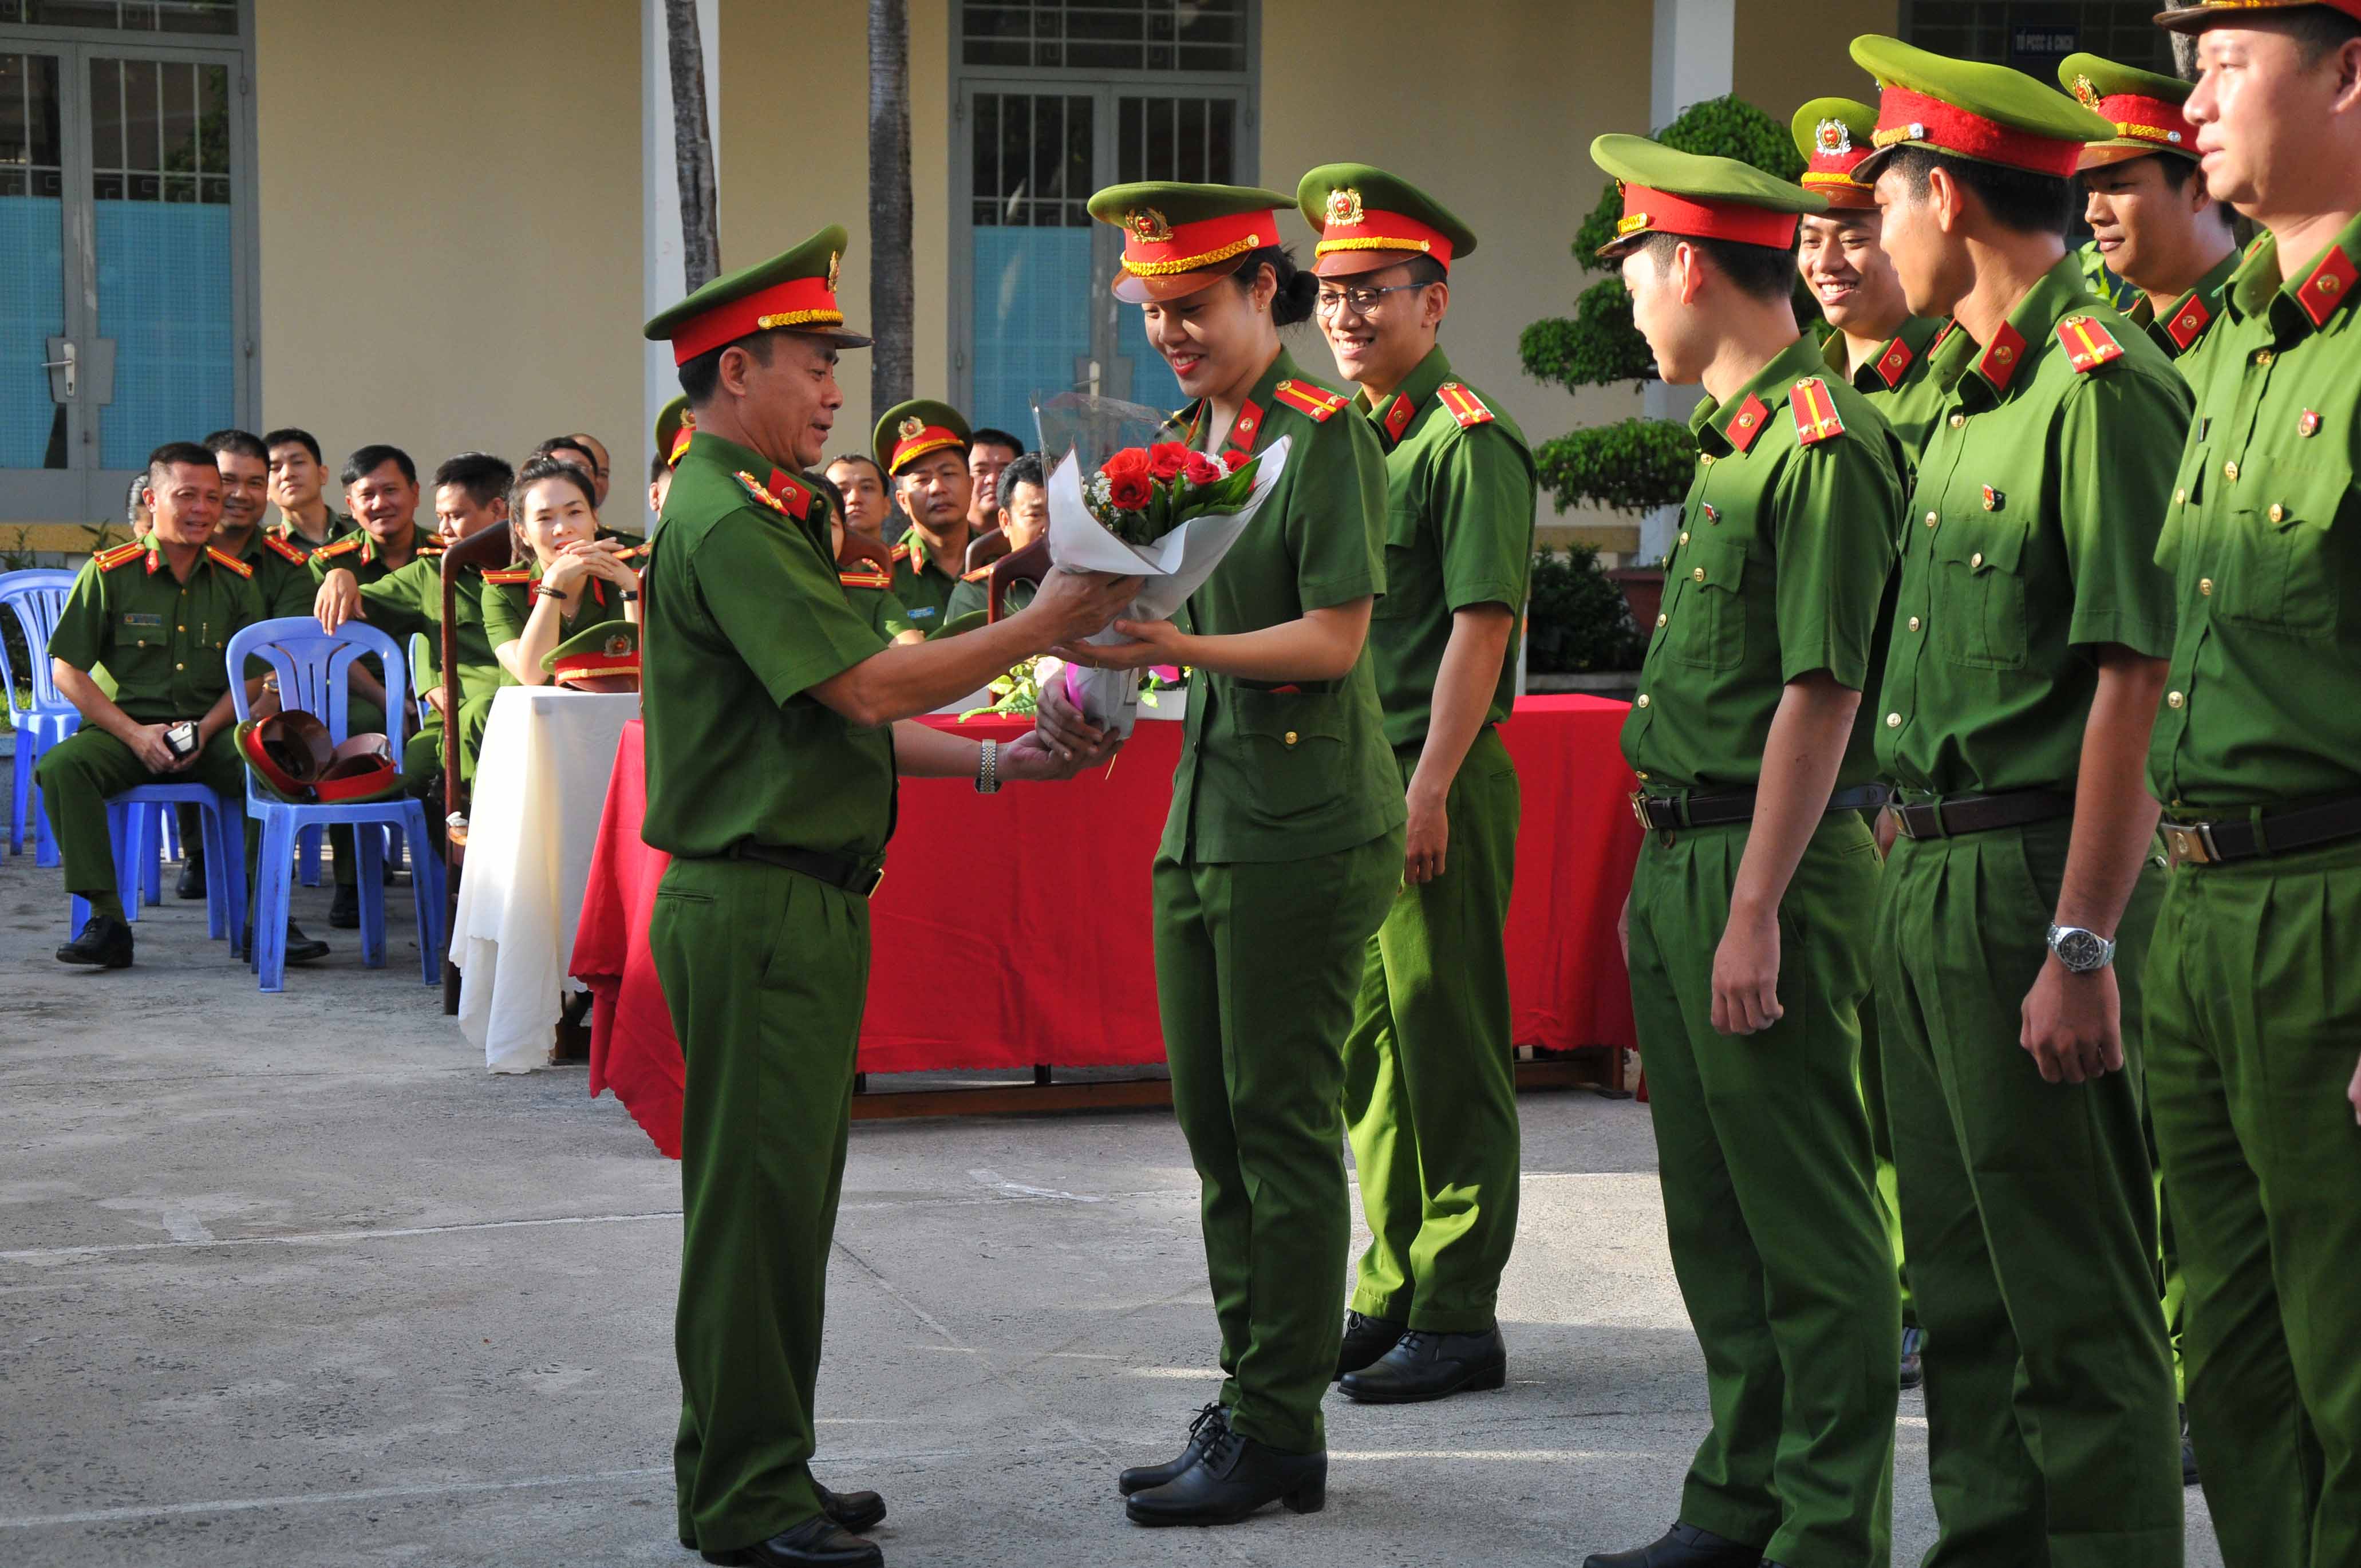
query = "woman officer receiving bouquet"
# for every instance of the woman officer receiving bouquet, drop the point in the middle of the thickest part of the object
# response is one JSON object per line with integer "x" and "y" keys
{"x": 1284, "y": 846}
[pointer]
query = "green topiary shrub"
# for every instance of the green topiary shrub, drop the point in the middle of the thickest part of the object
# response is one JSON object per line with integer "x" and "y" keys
{"x": 1577, "y": 621}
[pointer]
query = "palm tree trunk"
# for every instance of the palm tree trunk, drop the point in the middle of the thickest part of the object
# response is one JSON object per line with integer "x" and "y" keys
{"x": 891, "y": 290}
{"x": 692, "y": 142}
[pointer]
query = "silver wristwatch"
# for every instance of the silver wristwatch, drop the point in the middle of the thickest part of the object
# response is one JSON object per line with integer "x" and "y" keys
{"x": 987, "y": 768}
{"x": 2081, "y": 951}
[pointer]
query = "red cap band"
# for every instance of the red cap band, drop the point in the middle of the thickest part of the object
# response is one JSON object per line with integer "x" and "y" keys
{"x": 1907, "y": 116}
{"x": 1647, "y": 211}
{"x": 799, "y": 301}
{"x": 1383, "y": 231}
{"x": 2150, "y": 120}
{"x": 931, "y": 438}
{"x": 1153, "y": 248}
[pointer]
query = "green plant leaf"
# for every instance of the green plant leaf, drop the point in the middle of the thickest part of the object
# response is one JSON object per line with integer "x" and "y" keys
{"x": 1634, "y": 466}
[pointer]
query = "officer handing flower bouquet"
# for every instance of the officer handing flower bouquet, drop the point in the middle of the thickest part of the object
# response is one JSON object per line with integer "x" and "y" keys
{"x": 1154, "y": 510}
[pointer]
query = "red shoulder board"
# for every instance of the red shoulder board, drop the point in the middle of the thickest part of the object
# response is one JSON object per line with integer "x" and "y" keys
{"x": 345, "y": 546}
{"x": 510, "y": 577}
{"x": 2328, "y": 284}
{"x": 273, "y": 543}
{"x": 1751, "y": 417}
{"x": 1815, "y": 411}
{"x": 793, "y": 506}
{"x": 121, "y": 556}
{"x": 1316, "y": 403}
{"x": 864, "y": 579}
{"x": 635, "y": 552}
{"x": 902, "y": 551}
{"x": 223, "y": 558}
{"x": 1464, "y": 406}
{"x": 1893, "y": 364}
{"x": 2186, "y": 323}
{"x": 978, "y": 575}
{"x": 425, "y": 549}
{"x": 2088, "y": 344}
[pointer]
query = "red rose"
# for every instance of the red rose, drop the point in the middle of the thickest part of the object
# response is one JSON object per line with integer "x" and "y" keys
{"x": 1234, "y": 459}
{"x": 1167, "y": 458}
{"x": 1126, "y": 472}
{"x": 1200, "y": 469}
{"x": 1129, "y": 461}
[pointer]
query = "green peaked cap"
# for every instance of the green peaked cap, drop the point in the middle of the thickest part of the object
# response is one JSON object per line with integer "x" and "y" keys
{"x": 1368, "y": 220}
{"x": 1177, "y": 238}
{"x": 1835, "y": 134}
{"x": 614, "y": 640}
{"x": 1724, "y": 199}
{"x": 2091, "y": 80}
{"x": 910, "y": 430}
{"x": 1988, "y": 112}
{"x": 670, "y": 419}
{"x": 795, "y": 290}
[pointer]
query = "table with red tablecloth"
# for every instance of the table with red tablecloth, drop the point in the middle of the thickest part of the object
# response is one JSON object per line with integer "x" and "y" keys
{"x": 980, "y": 891}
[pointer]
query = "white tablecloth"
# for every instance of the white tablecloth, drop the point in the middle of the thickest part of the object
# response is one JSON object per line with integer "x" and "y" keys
{"x": 533, "y": 821}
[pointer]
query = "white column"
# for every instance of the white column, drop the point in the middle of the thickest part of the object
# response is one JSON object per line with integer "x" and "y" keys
{"x": 1693, "y": 58}
{"x": 662, "y": 280}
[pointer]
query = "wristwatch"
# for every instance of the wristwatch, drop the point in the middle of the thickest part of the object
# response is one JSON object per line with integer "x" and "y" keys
{"x": 2081, "y": 951}
{"x": 987, "y": 768}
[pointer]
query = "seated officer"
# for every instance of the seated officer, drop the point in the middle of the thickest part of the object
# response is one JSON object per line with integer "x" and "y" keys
{"x": 989, "y": 453}
{"x": 862, "y": 483}
{"x": 1023, "y": 518}
{"x": 576, "y": 578}
{"x": 158, "y": 613}
{"x": 922, "y": 445}
{"x": 674, "y": 426}
{"x": 297, "y": 474}
{"x": 864, "y": 571}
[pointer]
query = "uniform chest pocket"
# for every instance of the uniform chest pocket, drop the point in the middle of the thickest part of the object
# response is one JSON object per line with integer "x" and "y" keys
{"x": 1979, "y": 584}
{"x": 1708, "y": 625}
{"x": 2278, "y": 558}
{"x": 1410, "y": 581}
{"x": 1292, "y": 744}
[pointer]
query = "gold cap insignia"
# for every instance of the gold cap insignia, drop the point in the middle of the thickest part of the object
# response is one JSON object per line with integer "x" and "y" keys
{"x": 1832, "y": 137}
{"x": 2086, "y": 92}
{"x": 834, "y": 261}
{"x": 618, "y": 645}
{"x": 1148, "y": 225}
{"x": 909, "y": 427}
{"x": 1344, "y": 207}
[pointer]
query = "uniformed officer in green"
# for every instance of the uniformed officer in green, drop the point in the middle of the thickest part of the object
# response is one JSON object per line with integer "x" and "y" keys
{"x": 770, "y": 781}
{"x": 1022, "y": 515}
{"x": 2254, "y": 982}
{"x": 1283, "y": 848}
{"x": 573, "y": 578}
{"x": 864, "y": 572}
{"x": 1749, "y": 910}
{"x": 298, "y": 475}
{"x": 1430, "y": 1085}
{"x": 922, "y": 444}
{"x": 2027, "y": 658}
{"x": 2144, "y": 198}
{"x": 158, "y": 613}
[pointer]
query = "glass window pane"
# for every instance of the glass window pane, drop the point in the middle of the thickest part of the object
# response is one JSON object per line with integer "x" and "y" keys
{"x": 106, "y": 112}
{"x": 32, "y": 282}
{"x": 1221, "y": 141}
{"x": 177, "y": 81}
{"x": 143, "y": 137}
{"x": 214, "y": 16}
{"x": 1193, "y": 141}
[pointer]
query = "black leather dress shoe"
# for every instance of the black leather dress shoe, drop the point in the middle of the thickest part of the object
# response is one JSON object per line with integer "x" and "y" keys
{"x": 301, "y": 950}
{"x": 855, "y": 1512}
{"x": 1683, "y": 1546}
{"x": 1235, "y": 1476}
{"x": 817, "y": 1542}
{"x": 1424, "y": 1365}
{"x": 1913, "y": 1357}
{"x": 1366, "y": 1338}
{"x": 104, "y": 943}
{"x": 1211, "y": 1422}
{"x": 345, "y": 909}
{"x": 190, "y": 883}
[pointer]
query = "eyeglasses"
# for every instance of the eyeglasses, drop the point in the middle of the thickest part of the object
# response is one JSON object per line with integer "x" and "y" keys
{"x": 1364, "y": 302}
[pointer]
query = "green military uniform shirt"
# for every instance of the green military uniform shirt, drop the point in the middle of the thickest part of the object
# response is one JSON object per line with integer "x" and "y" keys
{"x": 2182, "y": 332}
{"x": 407, "y": 602}
{"x": 974, "y": 593}
{"x": 871, "y": 594}
{"x": 164, "y": 641}
{"x": 1898, "y": 383}
{"x": 282, "y": 574}
{"x": 508, "y": 604}
{"x": 1273, "y": 775}
{"x": 340, "y": 528}
{"x": 2028, "y": 543}
{"x": 358, "y": 554}
{"x": 924, "y": 585}
{"x": 1786, "y": 544}
{"x": 743, "y": 615}
{"x": 1459, "y": 533}
{"x": 2259, "y": 532}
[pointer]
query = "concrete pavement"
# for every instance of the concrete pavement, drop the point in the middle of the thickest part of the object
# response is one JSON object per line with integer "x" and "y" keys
{"x": 289, "y": 1280}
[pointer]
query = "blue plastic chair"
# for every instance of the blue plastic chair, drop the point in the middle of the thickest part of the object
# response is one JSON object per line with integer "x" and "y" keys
{"x": 131, "y": 820}
{"x": 313, "y": 665}
{"x": 36, "y": 598}
{"x": 307, "y": 846}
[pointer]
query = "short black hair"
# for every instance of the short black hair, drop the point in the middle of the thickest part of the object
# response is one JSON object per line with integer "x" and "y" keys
{"x": 369, "y": 460}
{"x": 169, "y": 455}
{"x": 988, "y": 436}
{"x": 2317, "y": 30}
{"x": 1424, "y": 271}
{"x": 245, "y": 442}
{"x": 485, "y": 477}
{"x": 1758, "y": 271}
{"x": 136, "y": 502}
{"x": 2018, "y": 200}
{"x": 535, "y": 470}
{"x": 2178, "y": 171}
{"x": 659, "y": 467}
{"x": 287, "y": 433}
{"x": 875, "y": 467}
{"x": 701, "y": 378}
{"x": 1028, "y": 470}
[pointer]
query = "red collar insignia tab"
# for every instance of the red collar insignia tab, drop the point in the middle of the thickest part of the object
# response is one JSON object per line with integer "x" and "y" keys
{"x": 1316, "y": 403}
{"x": 1464, "y": 406}
{"x": 793, "y": 492}
{"x": 155, "y": 560}
{"x": 1740, "y": 432}
{"x": 2325, "y": 289}
{"x": 2000, "y": 359}
{"x": 1815, "y": 411}
{"x": 1242, "y": 431}
{"x": 1396, "y": 418}
{"x": 2088, "y": 344}
{"x": 1893, "y": 364}
{"x": 794, "y": 504}
{"x": 2188, "y": 321}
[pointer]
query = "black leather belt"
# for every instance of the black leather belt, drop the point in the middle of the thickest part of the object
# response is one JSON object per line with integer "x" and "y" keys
{"x": 1715, "y": 808}
{"x": 1957, "y": 813}
{"x": 837, "y": 870}
{"x": 2270, "y": 833}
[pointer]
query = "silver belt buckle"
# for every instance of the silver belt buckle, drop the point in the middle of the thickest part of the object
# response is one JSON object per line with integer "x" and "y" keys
{"x": 2191, "y": 845}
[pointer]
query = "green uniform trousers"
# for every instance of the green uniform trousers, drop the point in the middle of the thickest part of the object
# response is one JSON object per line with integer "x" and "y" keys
{"x": 1770, "y": 1202}
{"x": 80, "y": 773}
{"x": 1256, "y": 967}
{"x": 2254, "y": 984}
{"x": 1887, "y": 1187}
{"x": 765, "y": 972}
{"x": 1429, "y": 1073}
{"x": 2030, "y": 1212}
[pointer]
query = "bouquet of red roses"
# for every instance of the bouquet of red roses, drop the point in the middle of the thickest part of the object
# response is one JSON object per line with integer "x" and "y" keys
{"x": 1140, "y": 494}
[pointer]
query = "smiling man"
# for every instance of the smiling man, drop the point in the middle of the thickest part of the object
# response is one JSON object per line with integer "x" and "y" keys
{"x": 297, "y": 475}
{"x": 2150, "y": 215}
{"x": 922, "y": 444}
